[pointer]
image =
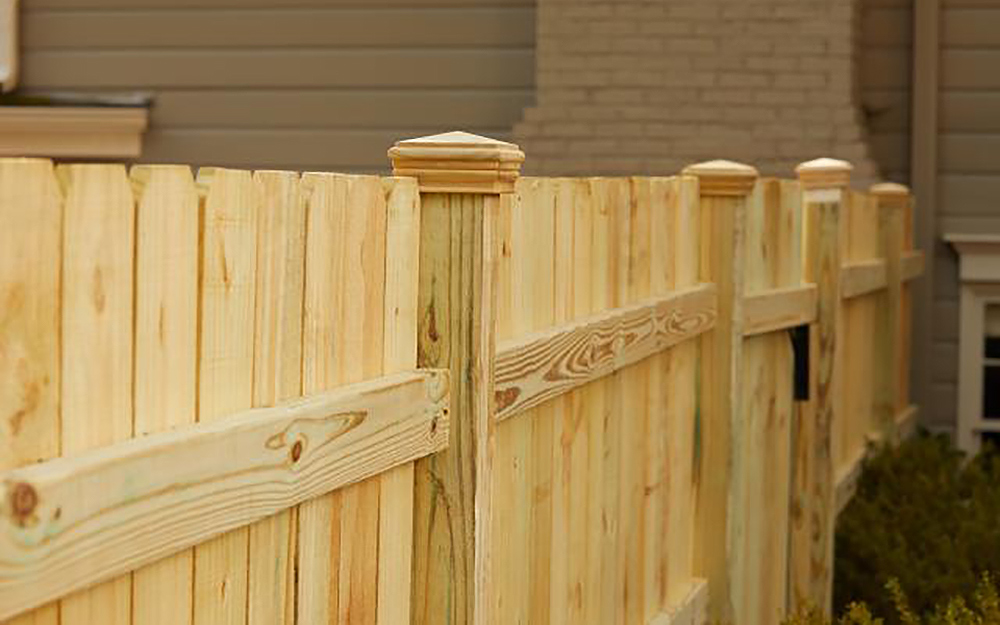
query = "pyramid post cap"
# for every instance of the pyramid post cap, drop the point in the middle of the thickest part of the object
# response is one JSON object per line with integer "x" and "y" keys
{"x": 825, "y": 173}
{"x": 890, "y": 189}
{"x": 890, "y": 195}
{"x": 458, "y": 162}
{"x": 722, "y": 177}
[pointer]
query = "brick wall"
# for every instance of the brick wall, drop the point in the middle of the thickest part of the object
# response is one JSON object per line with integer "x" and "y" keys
{"x": 647, "y": 86}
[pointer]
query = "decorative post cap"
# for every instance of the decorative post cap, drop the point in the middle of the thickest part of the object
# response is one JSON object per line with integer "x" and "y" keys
{"x": 825, "y": 173}
{"x": 723, "y": 177}
{"x": 890, "y": 194}
{"x": 458, "y": 162}
{"x": 890, "y": 189}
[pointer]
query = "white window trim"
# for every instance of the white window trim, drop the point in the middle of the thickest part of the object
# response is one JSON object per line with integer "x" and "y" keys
{"x": 979, "y": 275}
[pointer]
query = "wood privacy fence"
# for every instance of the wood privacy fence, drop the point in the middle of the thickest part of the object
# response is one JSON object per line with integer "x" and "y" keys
{"x": 450, "y": 396}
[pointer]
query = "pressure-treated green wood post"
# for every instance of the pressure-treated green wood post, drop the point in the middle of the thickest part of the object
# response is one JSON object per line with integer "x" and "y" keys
{"x": 825, "y": 185}
{"x": 724, "y": 189}
{"x": 893, "y": 201}
{"x": 465, "y": 181}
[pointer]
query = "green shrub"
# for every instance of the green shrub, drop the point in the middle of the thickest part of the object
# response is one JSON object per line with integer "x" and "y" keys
{"x": 926, "y": 518}
{"x": 984, "y": 609}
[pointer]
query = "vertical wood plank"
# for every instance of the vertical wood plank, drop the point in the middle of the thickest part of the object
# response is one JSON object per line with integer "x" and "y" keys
{"x": 225, "y": 373}
{"x": 723, "y": 189}
{"x": 319, "y": 519}
{"x": 892, "y": 201}
{"x": 540, "y": 216}
{"x": 509, "y": 464}
{"x": 277, "y": 370}
{"x": 342, "y": 343}
{"x": 31, "y": 210}
{"x": 662, "y": 277}
{"x": 635, "y": 414}
{"x": 513, "y": 571}
{"x": 166, "y": 344}
{"x": 455, "y": 312}
{"x": 824, "y": 183}
{"x": 361, "y": 318}
{"x": 96, "y": 404}
{"x": 600, "y": 543}
{"x": 615, "y": 209}
{"x": 564, "y": 603}
{"x": 576, "y": 431}
{"x": 681, "y": 388}
{"x": 402, "y": 258}
{"x": 762, "y": 450}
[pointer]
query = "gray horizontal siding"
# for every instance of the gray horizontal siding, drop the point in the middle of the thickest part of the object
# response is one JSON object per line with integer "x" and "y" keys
{"x": 220, "y": 69}
{"x": 281, "y": 28}
{"x": 968, "y": 164}
{"x": 326, "y": 84}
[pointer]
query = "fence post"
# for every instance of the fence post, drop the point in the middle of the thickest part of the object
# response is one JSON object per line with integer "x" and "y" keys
{"x": 724, "y": 188}
{"x": 465, "y": 181}
{"x": 893, "y": 200}
{"x": 825, "y": 185}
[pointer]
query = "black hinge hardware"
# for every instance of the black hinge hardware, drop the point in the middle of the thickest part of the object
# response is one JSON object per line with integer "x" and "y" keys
{"x": 800, "y": 353}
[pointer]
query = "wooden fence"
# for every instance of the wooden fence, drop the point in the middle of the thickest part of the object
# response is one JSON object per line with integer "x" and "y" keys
{"x": 450, "y": 396}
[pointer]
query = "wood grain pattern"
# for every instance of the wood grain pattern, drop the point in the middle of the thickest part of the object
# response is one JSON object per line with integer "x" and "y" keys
{"x": 691, "y": 610}
{"x": 360, "y": 317}
{"x": 343, "y": 331}
{"x": 90, "y": 508}
{"x": 779, "y": 309}
{"x": 225, "y": 366}
{"x": 96, "y": 376}
{"x": 30, "y": 268}
{"x": 277, "y": 371}
{"x": 761, "y": 437}
{"x": 825, "y": 238}
{"x": 868, "y": 276}
{"x": 402, "y": 259}
{"x": 456, "y": 330}
{"x": 682, "y": 403}
{"x": 722, "y": 243}
{"x": 166, "y": 347}
{"x": 544, "y": 365}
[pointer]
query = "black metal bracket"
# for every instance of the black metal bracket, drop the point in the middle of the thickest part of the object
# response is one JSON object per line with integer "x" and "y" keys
{"x": 800, "y": 353}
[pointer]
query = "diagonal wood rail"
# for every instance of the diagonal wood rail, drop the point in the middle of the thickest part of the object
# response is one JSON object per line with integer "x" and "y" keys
{"x": 74, "y": 521}
{"x": 536, "y": 368}
{"x": 868, "y": 276}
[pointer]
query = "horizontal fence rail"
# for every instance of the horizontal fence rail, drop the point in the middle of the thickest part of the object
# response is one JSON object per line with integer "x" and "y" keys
{"x": 79, "y": 520}
{"x": 452, "y": 395}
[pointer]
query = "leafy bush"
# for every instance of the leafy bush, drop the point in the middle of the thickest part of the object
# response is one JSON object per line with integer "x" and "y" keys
{"x": 984, "y": 610}
{"x": 927, "y": 518}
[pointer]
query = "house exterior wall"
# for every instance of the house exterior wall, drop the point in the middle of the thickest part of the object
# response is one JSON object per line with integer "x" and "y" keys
{"x": 968, "y": 170}
{"x": 885, "y": 58}
{"x": 636, "y": 86}
{"x": 314, "y": 84}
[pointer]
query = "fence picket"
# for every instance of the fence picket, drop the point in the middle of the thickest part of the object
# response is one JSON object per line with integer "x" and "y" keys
{"x": 31, "y": 211}
{"x": 225, "y": 367}
{"x": 166, "y": 346}
{"x": 98, "y": 231}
